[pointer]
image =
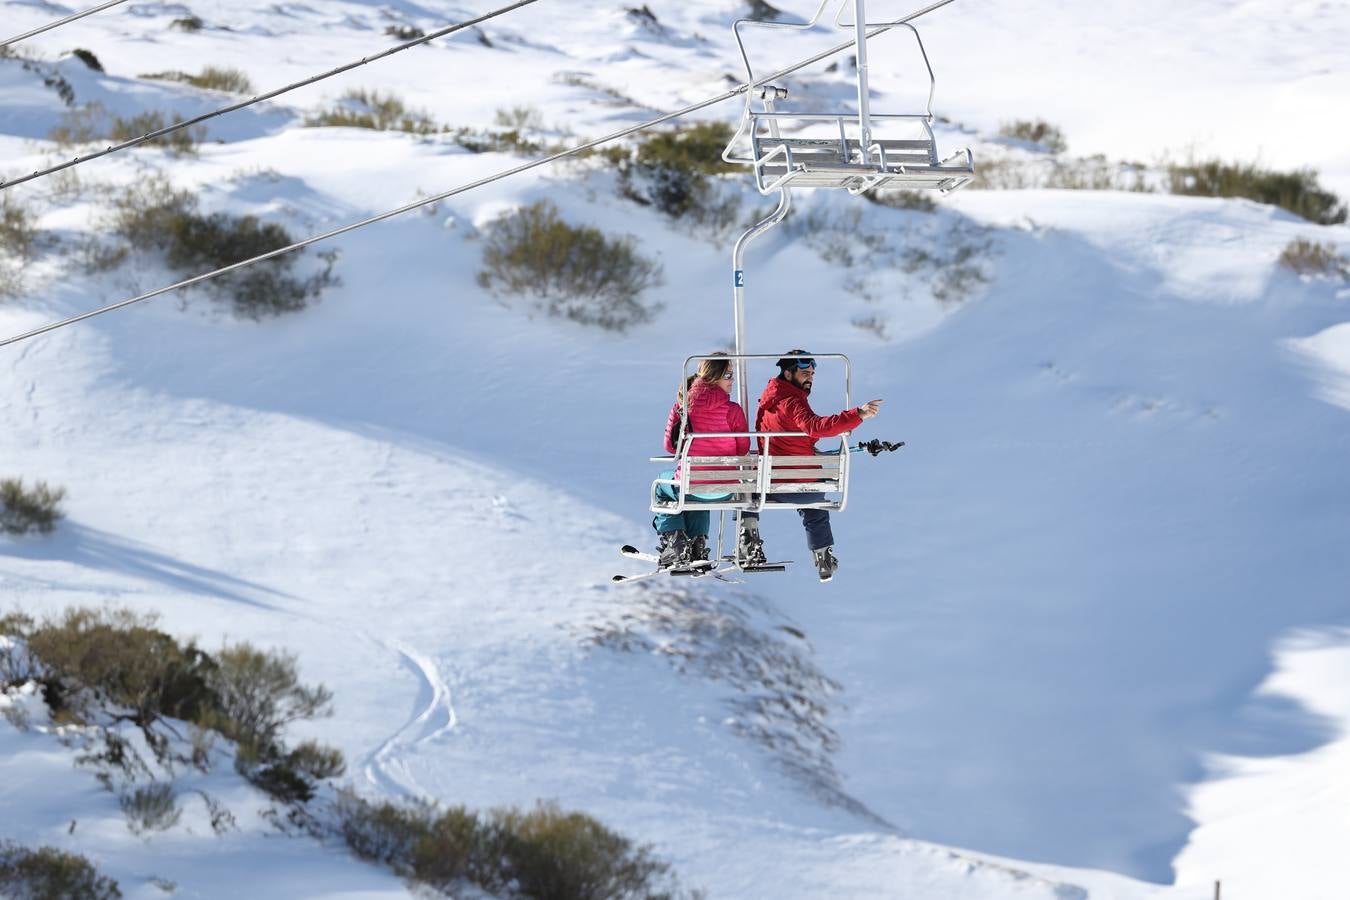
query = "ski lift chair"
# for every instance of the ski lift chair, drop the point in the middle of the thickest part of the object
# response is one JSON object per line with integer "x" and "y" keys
{"x": 739, "y": 483}
{"x": 863, "y": 150}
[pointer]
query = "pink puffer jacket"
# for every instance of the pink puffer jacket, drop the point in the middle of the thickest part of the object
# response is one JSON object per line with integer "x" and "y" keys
{"x": 710, "y": 409}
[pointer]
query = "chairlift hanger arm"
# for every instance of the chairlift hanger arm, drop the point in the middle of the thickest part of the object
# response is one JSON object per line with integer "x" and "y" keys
{"x": 875, "y": 30}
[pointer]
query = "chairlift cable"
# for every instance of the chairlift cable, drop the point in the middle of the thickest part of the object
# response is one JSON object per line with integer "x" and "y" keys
{"x": 59, "y": 22}
{"x": 426, "y": 201}
{"x": 179, "y": 126}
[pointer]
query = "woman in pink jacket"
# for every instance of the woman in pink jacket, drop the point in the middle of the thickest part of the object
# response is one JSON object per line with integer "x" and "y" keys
{"x": 684, "y": 536}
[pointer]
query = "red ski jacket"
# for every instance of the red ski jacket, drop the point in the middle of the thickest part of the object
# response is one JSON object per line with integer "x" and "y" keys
{"x": 710, "y": 409}
{"x": 783, "y": 407}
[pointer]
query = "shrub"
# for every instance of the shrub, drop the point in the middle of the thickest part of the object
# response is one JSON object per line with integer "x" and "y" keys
{"x": 1037, "y": 132}
{"x": 88, "y": 58}
{"x": 92, "y": 123}
{"x": 1306, "y": 257}
{"x": 96, "y": 663}
{"x": 152, "y": 215}
{"x": 1298, "y": 192}
{"x": 761, "y": 11}
{"x": 151, "y": 807}
{"x": 576, "y": 271}
{"x": 260, "y": 693}
{"x": 197, "y": 242}
{"x": 180, "y": 143}
{"x": 190, "y": 24}
{"x": 405, "y": 32}
{"x": 18, "y": 236}
{"x": 96, "y": 659}
{"x": 513, "y": 123}
{"x": 913, "y": 200}
{"x": 671, "y": 169}
{"x": 545, "y": 854}
{"x": 370, "y": 109}
{"x": 557, "y": 855}
{"x": 23, "y": 511}
{"x": 50, "y": 874}
{"x": 213, "y": 78}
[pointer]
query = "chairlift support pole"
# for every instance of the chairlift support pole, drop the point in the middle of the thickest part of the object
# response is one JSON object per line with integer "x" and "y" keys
{"x": 768, "y": 94}
{"x": 864, "y": 110}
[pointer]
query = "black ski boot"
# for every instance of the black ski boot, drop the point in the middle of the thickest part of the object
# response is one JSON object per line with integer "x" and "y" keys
{"x": 673, "y": 550}
{"x": 750, "y": 547}
{"x": 826, "y": 564}
{"x": 698, "y": 548}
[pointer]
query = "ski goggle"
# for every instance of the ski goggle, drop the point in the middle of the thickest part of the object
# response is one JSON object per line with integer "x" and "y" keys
{"x": 805, "y": 363}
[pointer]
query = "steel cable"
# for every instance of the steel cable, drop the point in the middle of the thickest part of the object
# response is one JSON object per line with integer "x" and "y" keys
{"x": 524, "y": 167}
{"x": 178, "y": 126}
{"x": 59, "y": 22}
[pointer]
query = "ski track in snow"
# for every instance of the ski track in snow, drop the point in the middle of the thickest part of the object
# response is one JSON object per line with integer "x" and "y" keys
{"x": 433, "y": 717}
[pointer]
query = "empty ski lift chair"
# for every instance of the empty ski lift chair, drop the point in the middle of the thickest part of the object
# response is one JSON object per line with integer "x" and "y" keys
{"x": 863, "y": 150}
{"x": 853, "y": 157}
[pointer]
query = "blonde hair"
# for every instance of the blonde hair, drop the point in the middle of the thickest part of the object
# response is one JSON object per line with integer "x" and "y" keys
{"x": 680, "y": 392}
{"x": 712, "y": 369}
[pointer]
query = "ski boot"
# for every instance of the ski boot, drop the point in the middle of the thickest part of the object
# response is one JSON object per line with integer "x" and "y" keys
{"x": 673, "y": 550}
{"x": 698, "y": 548}
{"x": 750, "y": 547}
{"x": 826, "y": 564}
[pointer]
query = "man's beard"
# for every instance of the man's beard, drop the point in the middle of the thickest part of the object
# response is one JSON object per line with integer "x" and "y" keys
{"x": 806, "y": 386}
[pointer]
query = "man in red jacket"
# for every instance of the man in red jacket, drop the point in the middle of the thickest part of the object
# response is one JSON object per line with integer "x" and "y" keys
{"x": 784, "y": 406}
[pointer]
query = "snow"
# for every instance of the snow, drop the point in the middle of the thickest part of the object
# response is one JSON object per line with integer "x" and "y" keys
{"x": 1113, "y": 540}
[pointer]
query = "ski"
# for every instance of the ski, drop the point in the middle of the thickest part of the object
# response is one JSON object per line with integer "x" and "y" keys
{"x": 722, "y": 569}
{"x": 693, "y": 570}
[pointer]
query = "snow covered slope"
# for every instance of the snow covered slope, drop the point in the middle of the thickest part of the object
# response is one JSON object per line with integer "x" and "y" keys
{"x": 1050, "y": 642}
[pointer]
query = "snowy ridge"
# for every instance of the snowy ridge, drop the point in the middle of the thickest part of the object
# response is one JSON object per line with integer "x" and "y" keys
{"x": 1050, "y": 643}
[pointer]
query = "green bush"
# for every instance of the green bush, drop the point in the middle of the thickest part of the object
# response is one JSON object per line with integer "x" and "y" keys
{"x": 557, "y": 855}
{"x": 18, "y": 236}
{"x": 1298, "y": 192}
{"x": 575, "y": 271}
{"x": 90, "y": 663}
{"x": 370, "y": 109}
{"x": 672, "y": 169}
{"x": 190, "y": 24}
{"x": 152, "y": 215}
{"x": 88, "y": 58}
{"x": 761, "y": 11}
{"x": 50, "y": 874}
{"x": 92, "y": 122}
{"x": 259, "y": 693}
{"x": 404, "y": 32}
{"x": 1305, "y": 257}
{"x": 896, "y": 199}
{"x": 96, "y": 659}
{"x": 1037, "y": 132}
{"x": 23, "y": 511}
{"x": 543, "y": 854}
{"x": 213, "y": 78}
{"x": 1093, "y": 173}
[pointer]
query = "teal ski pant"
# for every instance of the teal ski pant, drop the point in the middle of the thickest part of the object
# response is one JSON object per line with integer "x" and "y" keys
{"x": 693, "y": 522}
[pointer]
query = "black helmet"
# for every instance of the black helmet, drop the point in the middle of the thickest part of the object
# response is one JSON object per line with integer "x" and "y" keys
{"x": 796, "y": 359}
